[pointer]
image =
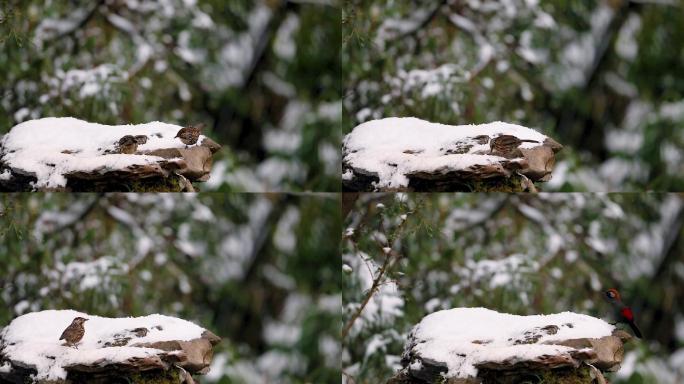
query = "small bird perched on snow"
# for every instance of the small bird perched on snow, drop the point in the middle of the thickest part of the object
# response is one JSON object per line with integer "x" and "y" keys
{"x": 189, "y": 135}
{"x": 74, "y": 332}
{"x": 622, "y": 313}
{"x": 128, "y": 144}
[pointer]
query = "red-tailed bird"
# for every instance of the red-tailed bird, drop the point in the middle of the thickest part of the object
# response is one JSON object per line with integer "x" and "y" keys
{"x": 622, "y": 313}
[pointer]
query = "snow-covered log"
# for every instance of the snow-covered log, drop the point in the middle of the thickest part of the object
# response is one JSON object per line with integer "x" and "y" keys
{"x": 75, "y": 155}
{"x": 478, "y": 345}
{"x": 410, "y": 154}
{"x": 154, "y": 348}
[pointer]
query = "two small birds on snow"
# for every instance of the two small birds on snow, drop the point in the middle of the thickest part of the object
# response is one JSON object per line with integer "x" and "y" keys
{"x": 188, "y": 136}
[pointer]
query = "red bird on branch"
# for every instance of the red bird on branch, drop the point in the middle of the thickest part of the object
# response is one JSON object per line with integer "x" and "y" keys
{"x": 622, "y": 313}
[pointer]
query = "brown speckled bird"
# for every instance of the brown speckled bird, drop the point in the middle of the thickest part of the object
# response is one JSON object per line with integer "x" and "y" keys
{"x": 74, "y": 332}
{"x": 189, "y": 135}
{"x": 128, "y": 145}
{"x": 507, "y": 146}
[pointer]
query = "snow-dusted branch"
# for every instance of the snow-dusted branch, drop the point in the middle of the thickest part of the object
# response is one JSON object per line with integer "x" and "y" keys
{"x": 144, "y": 49}
{"x": 277, "y": 206}
{"x": 380, "y": 274}
{"x": 109, "y": 348}
{"x": 421, "y": 19}
{"x": 67, "y": 153}
{"x": 69, "y": 219}
{"x": 390, "y": 257}
{"x": 477, "y": 343}
{"x": 416, "y": 155}
{"x": 62, "y": 29}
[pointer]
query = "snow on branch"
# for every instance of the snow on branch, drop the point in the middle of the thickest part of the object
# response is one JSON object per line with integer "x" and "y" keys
{"x": 31, "y": 346}
{"x": 413, "y": 154}
{"x": 54, "y": 153}
{"x": 470, "y": 343}
{"x": 51, "y": 29}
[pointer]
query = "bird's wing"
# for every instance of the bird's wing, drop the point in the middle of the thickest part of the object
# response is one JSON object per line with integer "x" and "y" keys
{"x": 63, "y": 337}
{"x": 627, "y": 313}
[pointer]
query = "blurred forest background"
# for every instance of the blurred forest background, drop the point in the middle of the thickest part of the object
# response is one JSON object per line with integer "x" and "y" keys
{"x": 520, "y": 254}
{"x": 605, "y": 78}
{"x": 258, "y": 270}
{"x": 263, "y": 75}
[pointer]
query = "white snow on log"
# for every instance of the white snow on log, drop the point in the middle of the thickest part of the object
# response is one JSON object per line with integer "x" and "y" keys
{"x": 415, "y": 145}
{"x": 37, "y": 146}
{"x": 449, "y": 335}
{"x": 32, "y": 340}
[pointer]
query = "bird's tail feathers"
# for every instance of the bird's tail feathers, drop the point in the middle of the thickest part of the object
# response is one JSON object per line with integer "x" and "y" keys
{"x": 635, "y": 329}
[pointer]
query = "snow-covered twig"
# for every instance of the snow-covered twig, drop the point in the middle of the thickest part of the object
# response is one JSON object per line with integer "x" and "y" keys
{"x": 429, "y": 16}
{"x": 389, "y": 258}
{"x": 76, "y": 24}
{"x": 374, "y": 287}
